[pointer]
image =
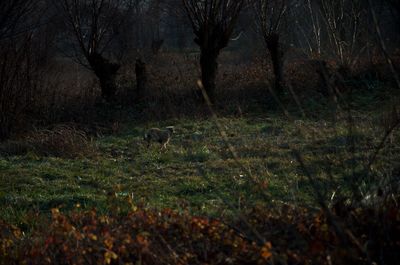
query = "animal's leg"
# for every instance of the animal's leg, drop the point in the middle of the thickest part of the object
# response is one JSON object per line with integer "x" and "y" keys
{"x": 164, "y": 145}
{"x": 166, "y": 142}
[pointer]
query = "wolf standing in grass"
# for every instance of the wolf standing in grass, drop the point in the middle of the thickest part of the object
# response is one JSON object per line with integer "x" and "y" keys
{"x": 160, "y": 136}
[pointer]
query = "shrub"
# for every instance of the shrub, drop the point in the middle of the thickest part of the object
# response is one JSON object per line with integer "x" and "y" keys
{"x": 281, "y": 235}
{"x": 61, "y": 141}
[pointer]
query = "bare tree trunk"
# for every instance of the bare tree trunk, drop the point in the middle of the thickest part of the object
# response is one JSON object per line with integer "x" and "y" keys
{"x": 106, "y": 72}
{"x": 324, "y": 84}
{"x": 156, "y": 45}
{"x": 276, "y": 54}
{"x": 209, "y": 70}
{"x": 4, "y": 130}
{"x": 141, "y": 79}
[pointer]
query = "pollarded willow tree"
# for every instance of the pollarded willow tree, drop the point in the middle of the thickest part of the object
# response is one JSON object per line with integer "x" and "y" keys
{"x": 93, "y": 26}
{"x": 213, "y": 22}
{"x": 270, "y": 16}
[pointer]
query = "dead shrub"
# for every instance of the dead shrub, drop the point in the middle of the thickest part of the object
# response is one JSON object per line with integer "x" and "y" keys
{"x": 61, "y": 141}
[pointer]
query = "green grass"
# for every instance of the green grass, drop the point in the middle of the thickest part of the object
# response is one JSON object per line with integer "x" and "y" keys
{"x": 198, "y": 171}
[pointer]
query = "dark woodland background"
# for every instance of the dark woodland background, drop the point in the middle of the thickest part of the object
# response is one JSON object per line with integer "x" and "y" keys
{"x": 62, "y": 59}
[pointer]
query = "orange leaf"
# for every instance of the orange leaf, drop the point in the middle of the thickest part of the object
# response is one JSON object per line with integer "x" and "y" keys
{"x": 266, "y": 250}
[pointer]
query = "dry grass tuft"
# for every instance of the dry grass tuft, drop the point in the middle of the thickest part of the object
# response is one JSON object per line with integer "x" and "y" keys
{"x": 61, "y": 141}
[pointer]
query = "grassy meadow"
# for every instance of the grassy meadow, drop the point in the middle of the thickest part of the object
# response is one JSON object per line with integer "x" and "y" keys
{"x": 201, "y": 171}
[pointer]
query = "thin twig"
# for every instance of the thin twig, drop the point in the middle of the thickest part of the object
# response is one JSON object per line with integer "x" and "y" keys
{"x": 383, "y": 45}
{"x": 382, "y": 143}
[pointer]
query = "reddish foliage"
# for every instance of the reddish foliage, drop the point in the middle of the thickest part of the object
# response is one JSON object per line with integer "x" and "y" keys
{"x": 291, "y": 236}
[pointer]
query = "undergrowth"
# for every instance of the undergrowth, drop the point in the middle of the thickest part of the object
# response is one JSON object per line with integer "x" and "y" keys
{"x": 278, "y": 235}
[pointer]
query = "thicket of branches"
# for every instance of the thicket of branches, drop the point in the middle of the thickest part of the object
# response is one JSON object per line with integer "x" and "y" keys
{"x": 22, "y": 53}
